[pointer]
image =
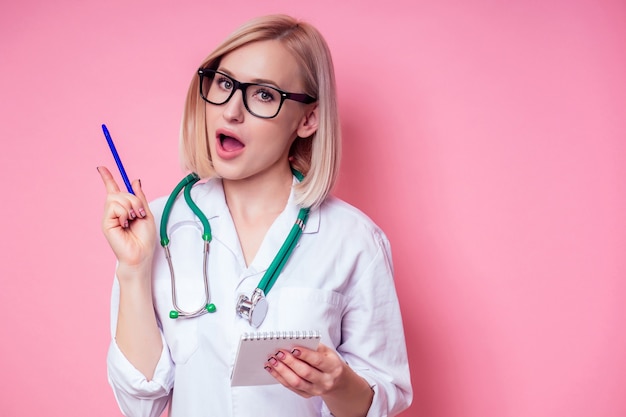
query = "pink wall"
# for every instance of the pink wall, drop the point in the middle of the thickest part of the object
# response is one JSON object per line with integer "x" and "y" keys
{"x": 488, "y": 140}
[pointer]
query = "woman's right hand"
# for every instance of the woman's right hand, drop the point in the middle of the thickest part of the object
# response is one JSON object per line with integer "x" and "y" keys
{"x": 129, "y": 227}
{"x": 128, "y": 224}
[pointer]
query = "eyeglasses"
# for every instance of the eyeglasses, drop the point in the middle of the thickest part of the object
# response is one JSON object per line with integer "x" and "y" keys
{"x": 260, "y": 100}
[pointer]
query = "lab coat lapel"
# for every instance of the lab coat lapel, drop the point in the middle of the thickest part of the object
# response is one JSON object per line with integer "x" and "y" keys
{"x": 211, "y": 200}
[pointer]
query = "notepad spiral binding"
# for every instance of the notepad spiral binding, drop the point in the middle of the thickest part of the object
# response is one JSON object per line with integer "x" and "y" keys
{"x": 270, "y": 335}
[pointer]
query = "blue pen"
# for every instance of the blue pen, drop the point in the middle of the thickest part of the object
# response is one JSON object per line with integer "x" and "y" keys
{"x": 118, "y": 161}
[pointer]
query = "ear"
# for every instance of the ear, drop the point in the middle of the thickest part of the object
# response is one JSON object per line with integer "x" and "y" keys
{"x": 308, "y": 123}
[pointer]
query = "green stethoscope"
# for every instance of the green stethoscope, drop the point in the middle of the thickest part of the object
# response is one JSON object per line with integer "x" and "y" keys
{"x": 253, "y": 308}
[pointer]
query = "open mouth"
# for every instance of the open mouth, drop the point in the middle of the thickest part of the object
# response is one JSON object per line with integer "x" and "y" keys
{"x": 229, "y": 143}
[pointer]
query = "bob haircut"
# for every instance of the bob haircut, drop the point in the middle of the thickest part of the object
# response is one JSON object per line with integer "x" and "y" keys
{"x": 317, "y": 156}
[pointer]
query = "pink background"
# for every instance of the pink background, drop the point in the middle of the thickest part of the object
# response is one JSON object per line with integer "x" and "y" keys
{"x": 487, "y": 139}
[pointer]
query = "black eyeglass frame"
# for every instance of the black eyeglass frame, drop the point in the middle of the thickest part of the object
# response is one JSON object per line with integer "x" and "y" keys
{"x": 284, "y": 95}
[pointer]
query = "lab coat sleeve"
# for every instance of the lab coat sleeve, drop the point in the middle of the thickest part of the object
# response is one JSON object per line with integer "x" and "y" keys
{"x": 373, "y": 342}
{"x": 135, "y": 395}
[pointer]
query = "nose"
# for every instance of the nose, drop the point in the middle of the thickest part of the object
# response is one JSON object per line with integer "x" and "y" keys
{"x": 234, "y": 109}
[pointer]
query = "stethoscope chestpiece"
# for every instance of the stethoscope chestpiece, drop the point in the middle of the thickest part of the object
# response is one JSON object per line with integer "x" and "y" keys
{"x": 255, "y": 309}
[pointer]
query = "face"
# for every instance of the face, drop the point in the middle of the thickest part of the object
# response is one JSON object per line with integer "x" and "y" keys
{"x": 244, "y": 146}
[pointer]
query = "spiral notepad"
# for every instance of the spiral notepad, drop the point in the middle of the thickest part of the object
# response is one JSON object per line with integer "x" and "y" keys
{"x": 255, "y": 348}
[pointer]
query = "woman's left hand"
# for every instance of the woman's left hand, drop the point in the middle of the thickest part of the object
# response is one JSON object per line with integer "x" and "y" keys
{"x": 322, "y": 373}
{"x": 307, "y": 372}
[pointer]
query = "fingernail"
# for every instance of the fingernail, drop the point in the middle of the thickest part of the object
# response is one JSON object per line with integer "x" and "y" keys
{"x": 142, "y": 212}
{"x": 268, "y": 369}
{"x": 125, "y": 225}
{"x": 132, "y": 214}
{"x": 280, "y": 355}
{"x": 295, "y": 352}
{"x": 272, "y": 361}
{"x": 98, "y": 169}
{"x": 139, "y": 183}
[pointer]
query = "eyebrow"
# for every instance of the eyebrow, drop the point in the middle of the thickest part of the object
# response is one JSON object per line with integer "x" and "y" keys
{"x": 253, "y": 81}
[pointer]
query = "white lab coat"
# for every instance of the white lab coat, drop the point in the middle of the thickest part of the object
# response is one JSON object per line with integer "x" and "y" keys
{"x": 339, "y": 280}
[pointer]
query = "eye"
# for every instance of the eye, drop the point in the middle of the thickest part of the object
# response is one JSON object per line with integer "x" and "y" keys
{"x": 264, "y": 94}
{"x": 225, "y": 83}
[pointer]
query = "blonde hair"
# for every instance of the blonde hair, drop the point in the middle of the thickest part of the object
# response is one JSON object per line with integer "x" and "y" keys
{"x": 317, "y": 156}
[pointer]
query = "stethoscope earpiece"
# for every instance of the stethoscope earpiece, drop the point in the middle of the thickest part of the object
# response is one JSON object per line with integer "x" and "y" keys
{"x": 209, "y": 308}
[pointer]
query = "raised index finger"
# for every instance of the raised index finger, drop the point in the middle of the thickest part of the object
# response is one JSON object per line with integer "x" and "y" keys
{"x": 108, "y": 180}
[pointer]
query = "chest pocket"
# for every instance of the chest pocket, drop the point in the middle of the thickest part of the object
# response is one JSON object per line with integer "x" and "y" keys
{"x": 181, "y": 336}
{"x": 311, "y": 309}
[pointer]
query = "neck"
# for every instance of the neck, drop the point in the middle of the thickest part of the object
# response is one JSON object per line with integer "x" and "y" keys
{"x": 254, "y": 203}
{"x": 258, "y": 196}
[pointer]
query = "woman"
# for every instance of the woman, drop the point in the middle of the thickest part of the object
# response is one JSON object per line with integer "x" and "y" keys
{"x": 260, "y": 112}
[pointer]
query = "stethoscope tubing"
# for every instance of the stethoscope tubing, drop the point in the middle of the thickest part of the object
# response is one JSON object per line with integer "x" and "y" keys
{"x": 191, "y": 178}
{"x": 267, "y": 281}
{"x": 185, "y": 185}
{"x": 270, "y": 277}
